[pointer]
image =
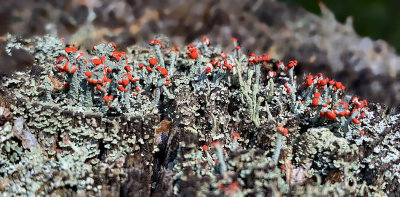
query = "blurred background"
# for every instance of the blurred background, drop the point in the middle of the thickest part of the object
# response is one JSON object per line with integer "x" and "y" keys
{"x": 377, "y": 19}
{"x": 325, "y": 39}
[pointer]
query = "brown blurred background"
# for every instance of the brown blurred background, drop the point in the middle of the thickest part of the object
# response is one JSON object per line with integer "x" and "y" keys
{"x": 285, "y": 30}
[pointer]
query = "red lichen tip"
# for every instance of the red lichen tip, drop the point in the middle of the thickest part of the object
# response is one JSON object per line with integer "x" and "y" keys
{"x": 106, "y": 99}
{"x": 153, "y": 61}
{"x": 96, "y": 61}
{"x": 125, "y": 82}
{"x": 292, "y": 63}
{"x": 59, "y": 59}
{"x": 356, "y": 121}
{"x": 194, "y": 55}
{"x": 281, "y": 66}
{"x": 330, "y": 115}
{"x": 282, "y": 130}
{"x": 309, "y": 82}
{"x": 235, "y": 135}
{"x": 208, "y": 69}
{"x": 121, "y": 88}
{"x": 315, "y": 101}
{"x": 155, "y": 42}
{"x": 234, "y": 186}
{"x": 163, "y": 71}
{"x": 127, "y": 68}
{"x": 141, "y": 66}
{"x": 70, "y": 49}
{"x": 113, "y": 44}
{"x": 271, "y": 74}
{"x": 205, "y": 147}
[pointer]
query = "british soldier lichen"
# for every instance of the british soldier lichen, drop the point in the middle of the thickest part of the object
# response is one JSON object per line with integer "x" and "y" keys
{"x": 238, "y": 124}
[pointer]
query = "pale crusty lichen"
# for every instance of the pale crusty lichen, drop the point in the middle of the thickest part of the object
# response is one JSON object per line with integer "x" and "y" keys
{"x": 98, "y": 131}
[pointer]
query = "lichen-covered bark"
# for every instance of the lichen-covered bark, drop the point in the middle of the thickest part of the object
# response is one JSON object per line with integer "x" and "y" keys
{"x": 228, "y": 130}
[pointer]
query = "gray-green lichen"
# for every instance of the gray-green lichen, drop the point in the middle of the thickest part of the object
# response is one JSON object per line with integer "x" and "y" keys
{"x": 196, "y": 122}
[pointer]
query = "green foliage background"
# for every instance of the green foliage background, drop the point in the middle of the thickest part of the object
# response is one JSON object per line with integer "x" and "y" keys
{"x": 378, "y": 19}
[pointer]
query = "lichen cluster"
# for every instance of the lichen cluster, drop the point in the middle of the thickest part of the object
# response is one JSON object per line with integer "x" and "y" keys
{"x": 167, "y": 121}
